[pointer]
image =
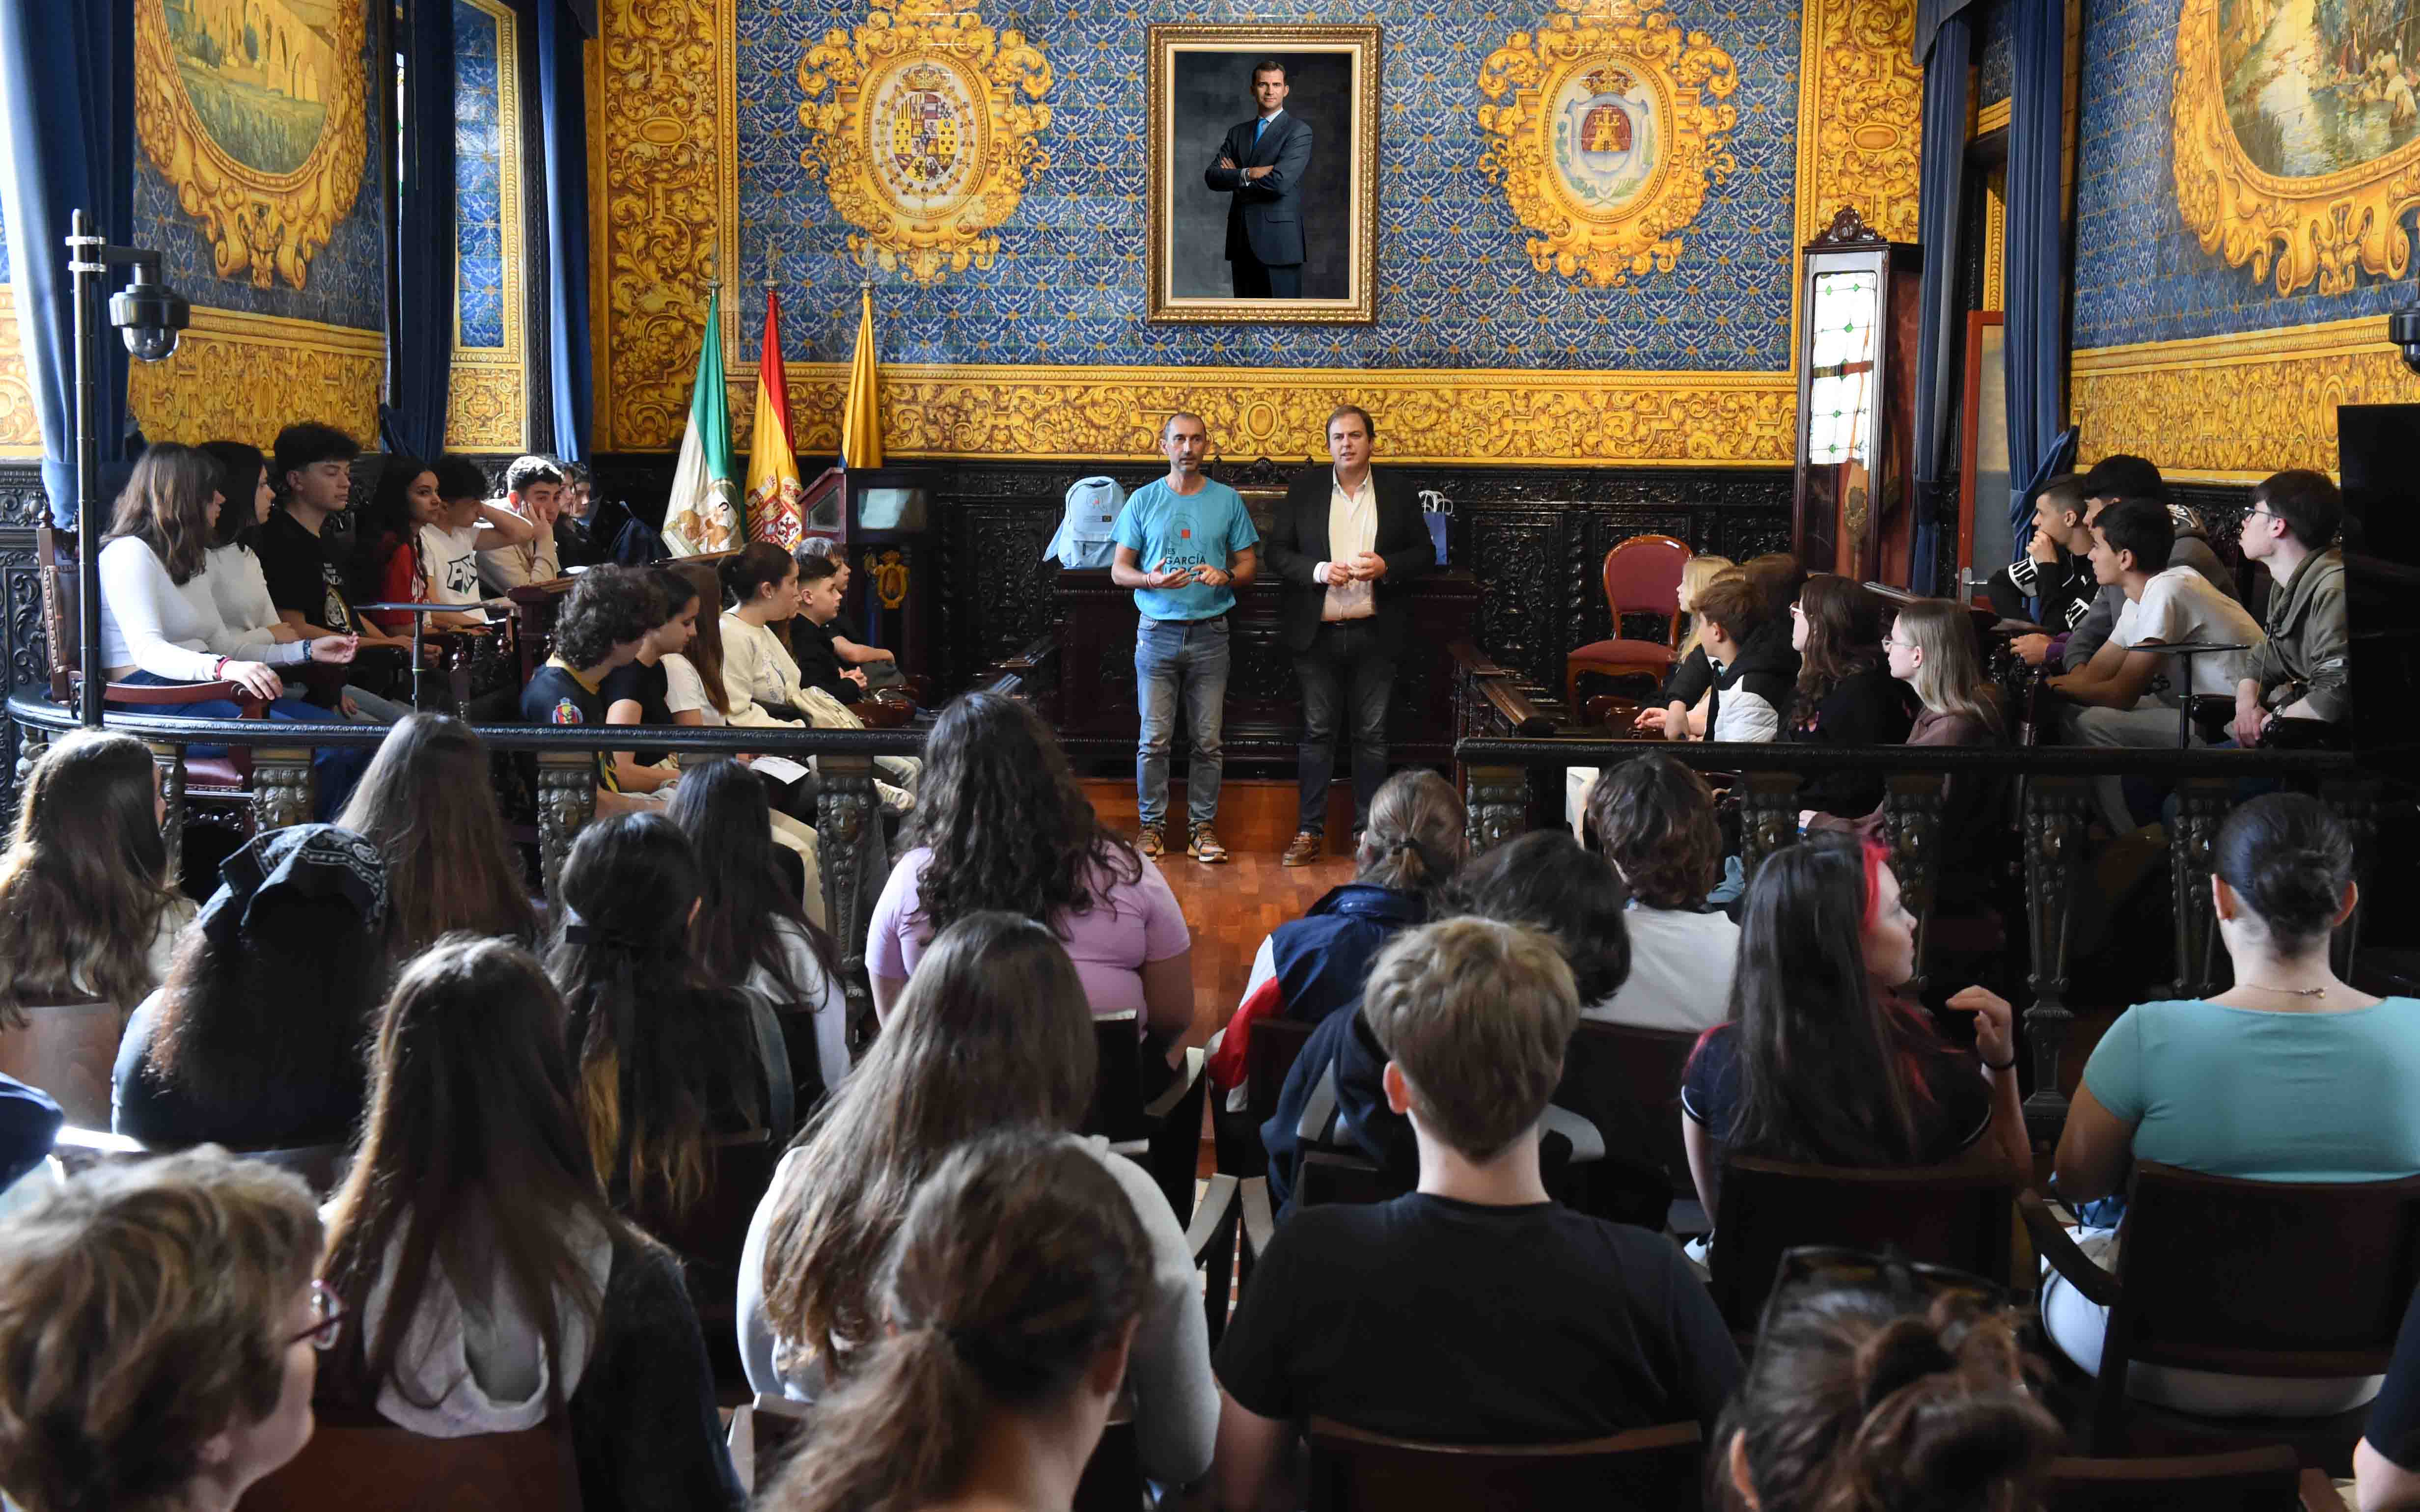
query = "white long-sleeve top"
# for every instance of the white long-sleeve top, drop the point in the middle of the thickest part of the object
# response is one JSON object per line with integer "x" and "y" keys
{"x": 756, "y": 667}
{"x": 165, "y": 628}
{"x": 241, "y": 591}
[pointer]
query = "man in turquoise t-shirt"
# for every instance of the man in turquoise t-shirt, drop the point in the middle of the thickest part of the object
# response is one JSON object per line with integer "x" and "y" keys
{"x": 1184, "y": 545}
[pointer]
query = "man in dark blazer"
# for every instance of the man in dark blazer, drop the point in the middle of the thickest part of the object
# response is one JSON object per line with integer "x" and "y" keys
{"x": 1261, "y": 163}
{"x": 1348, "y": 543}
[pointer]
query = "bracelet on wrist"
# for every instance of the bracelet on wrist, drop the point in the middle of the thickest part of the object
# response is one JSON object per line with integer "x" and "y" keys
{"x": 1996, "y": 1066}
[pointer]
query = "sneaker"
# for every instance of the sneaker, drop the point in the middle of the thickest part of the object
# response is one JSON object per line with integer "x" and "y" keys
{"x": 1153, "y": 841}
{"x": 1205, "y": 847}
{"x": 1304, "y": 849}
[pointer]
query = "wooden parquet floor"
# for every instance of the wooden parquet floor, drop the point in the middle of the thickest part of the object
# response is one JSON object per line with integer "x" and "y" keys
{"x": 1231, "y": 909}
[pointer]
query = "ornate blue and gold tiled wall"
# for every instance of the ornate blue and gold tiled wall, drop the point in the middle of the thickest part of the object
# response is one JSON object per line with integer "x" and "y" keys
{"x": 697, "y": 139}
{"x": 255, "y": 177}
{"x": 486, "y": 407}
{"x": 2243, "y": 215}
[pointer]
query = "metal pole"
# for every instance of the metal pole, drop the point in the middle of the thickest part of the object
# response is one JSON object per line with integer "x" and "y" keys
{"x": 84, "y": 261}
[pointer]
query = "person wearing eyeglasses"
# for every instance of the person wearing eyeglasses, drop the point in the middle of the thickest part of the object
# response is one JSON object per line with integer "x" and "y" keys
{"x": 2301, "y": 670}
{"x": 160, "y": 1334}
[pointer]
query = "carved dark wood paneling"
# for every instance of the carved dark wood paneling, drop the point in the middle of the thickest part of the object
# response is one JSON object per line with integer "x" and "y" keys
{"x": 24, "y": 649}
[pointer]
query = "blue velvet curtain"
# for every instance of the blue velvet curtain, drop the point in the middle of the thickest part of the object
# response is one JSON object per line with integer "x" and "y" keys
{"x": 419, "y": 355}
{"x": 2037, "y": 271}
{"x": 67, "y": 74}
{"x": 1929, "y": 17}
{"x": 1940, "y": 202}
{"x": 562, "y": 26}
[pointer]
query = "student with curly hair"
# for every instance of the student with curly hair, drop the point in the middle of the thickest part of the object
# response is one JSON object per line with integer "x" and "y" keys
{"x": 1001, "y": 824}
{"x": 1653, "y": 818}
{"x": 160, "y": 1334}
{"x": 604, "y": 620}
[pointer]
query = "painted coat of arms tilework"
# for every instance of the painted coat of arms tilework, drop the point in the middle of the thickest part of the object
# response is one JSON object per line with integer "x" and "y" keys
{"x": 924, "y": 123}
{"x": 1606, "y": 129}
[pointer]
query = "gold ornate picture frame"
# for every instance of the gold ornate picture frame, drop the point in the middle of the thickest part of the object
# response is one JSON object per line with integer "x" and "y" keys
{"x": 259, "y": 121}
{"x": 1200, "y": 82}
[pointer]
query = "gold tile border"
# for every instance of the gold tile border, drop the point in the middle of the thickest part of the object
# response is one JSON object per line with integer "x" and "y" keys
{"x": 21, "y": 423}
{"x": 240, "y": 377}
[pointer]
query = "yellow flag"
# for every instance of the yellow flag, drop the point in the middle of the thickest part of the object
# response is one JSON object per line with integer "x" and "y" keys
{"x": 861, "y": 423}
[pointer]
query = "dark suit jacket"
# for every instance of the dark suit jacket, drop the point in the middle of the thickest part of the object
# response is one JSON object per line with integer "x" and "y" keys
{"x": 1298, "y": 541}
{"x": 1264, "y": 217}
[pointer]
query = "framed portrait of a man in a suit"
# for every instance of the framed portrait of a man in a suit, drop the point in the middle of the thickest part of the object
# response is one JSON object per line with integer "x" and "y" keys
{"x": 1263, "y": 173}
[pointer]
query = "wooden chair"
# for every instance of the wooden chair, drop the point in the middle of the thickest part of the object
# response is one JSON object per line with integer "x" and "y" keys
{"x": 2249, "y": 1480}
{"x": 364, "y": 1464}
{"x": 68, "y": 1050}
{"x": 1642, "y": 576}
{"x": 1656, "y": 1469}
{"x": 1159, "y": 1126}
{"x": 1949, "y": 1216}
{"x": 2249, "y": 1278}
{"x": 1627, "y": 1082}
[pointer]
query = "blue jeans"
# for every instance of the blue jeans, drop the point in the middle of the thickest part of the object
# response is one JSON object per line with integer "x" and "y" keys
{"x": 336, "y": 770}
{"x": 1343, "y": 672}
{"x": 1193, "y": 653}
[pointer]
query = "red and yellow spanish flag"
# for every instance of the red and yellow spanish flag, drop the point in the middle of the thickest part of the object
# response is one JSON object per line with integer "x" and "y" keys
{"x": 774, "y": 512}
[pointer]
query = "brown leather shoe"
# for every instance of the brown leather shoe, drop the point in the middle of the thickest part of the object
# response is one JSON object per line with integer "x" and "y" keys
{"x": 1205, "y": 847}
{"x": 1153, "y": 841}
{"x": 1304, "y": 849}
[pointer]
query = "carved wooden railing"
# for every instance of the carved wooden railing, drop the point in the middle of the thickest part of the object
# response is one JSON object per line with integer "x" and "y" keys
{"x": 847, "y": 819}
{"x": 1500, "y": 773}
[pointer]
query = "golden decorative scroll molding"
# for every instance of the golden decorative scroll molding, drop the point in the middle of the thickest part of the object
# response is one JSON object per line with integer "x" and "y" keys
{"x": 1860, "y": 116}
{"x": 20, "y": 424}
{"x": 2183, "y": 402}
{"x": 487, "y": 399}
{"x": 243, "y": 377}
{"x": 2332, "y": 228}
{"x": 260, "y": 225}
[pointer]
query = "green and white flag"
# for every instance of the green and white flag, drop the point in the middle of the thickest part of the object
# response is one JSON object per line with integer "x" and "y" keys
{"x": 704, "y": 514}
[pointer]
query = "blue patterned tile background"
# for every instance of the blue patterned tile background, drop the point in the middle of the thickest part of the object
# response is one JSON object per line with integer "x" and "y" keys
{"x": 347, "y": 283}
{"x": 1994, "y": 66}
{"x": 4, "y": 249}
{"x": 478, "y": 180}
{"x": 2141, "y": 275}
{"x": 1454, "y": 286}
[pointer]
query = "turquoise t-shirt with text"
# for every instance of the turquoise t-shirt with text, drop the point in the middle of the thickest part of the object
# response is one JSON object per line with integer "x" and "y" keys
{"x": 1167, "y": 529}
{"x": 2267, "y": 1097}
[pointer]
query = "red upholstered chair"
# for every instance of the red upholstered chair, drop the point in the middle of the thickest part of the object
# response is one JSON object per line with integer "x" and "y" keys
{"x": 1642, "y": 576}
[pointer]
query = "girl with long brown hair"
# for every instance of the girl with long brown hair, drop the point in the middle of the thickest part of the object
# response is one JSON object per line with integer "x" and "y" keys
{"x": 1846, "y": 694}
{"x": 1001, "y": 823}
{"x": 428, "y": 803}
{"x": 1010, "y": 1304}
{"x": 493, "y": 1286}
{"x": 992, "y": 1031}
{"x": 88, "y": 908}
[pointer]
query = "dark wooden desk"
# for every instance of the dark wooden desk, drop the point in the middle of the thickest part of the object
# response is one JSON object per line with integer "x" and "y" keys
{"x": 1097, "y": 713}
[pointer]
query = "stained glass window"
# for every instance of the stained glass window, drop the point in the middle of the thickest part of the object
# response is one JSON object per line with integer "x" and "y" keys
{"x": 1839, "y": 393}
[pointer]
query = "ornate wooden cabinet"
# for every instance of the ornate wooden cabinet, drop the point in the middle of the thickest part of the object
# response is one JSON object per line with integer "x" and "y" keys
{"x": 1853, "y": 505}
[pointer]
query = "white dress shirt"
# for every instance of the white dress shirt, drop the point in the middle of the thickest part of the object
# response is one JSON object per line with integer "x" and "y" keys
{"x": 1352, "y": 529}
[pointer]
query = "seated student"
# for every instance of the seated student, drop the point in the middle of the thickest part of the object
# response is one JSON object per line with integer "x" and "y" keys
{"x": 636, "y": 693}
{"x": 1821, "y": 1062}
{"x": 486, "y": 1284}
{"x": 1692, "y": 676}
{"x": 88, "y": 908}
{"x": 1932, "y": 649}
{"x": 1541, "y": 881}
{"x": 253, "y": 1041}
{"x": 2288, "y": 1076}
{"x": 467, "y": 532}
{"x": 2301, "y": 670}
{"x": 577, "y": 542}
{"x": 388, "y": 565}
{"x": 1845, "y": 695}
{"x": 161, "y": 1332}
{"x": 604, "y": 621}
{"x": 1653, "y": 818}
{"x": 696, "y": 693}
{"x": 428, "y": 804}
{"x": 1474, "y": 1309}
{"x": 751, "y": 930}
{"x": 2113, "y": 478}
{"x": 661, "y": 1061}
{"x": 301, "y": 559}
{"x": 2056, "y": 568}
{"x": 1760, "y": 665}
{"x": 2164, "y": 604}
{"x": 820, "y": 580}
{"x": 876, "y": 665}
{"x": 1887, "y": 1395}
{"x": 1003, "y": 824}
{"x": 992, "y": 1033}
{"x": 1312, "y": 967}
{"x": 534, "y": 496}
{"x": 762, "y": 583}
{"x": 1010, "y": 1303}
{"x": 2386, "y": 1461}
